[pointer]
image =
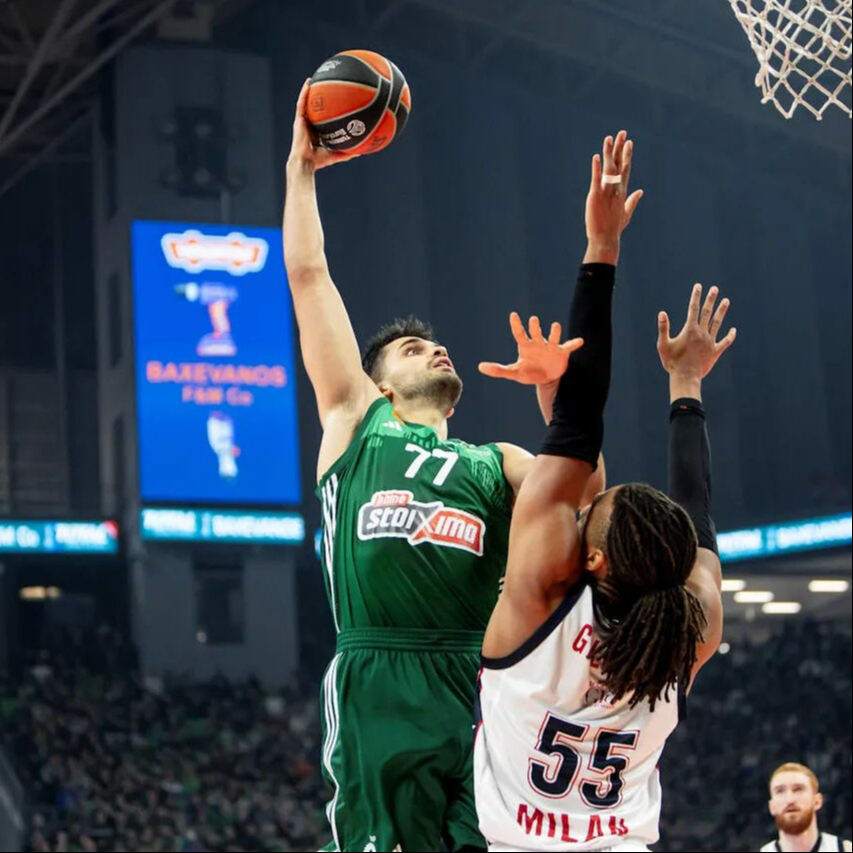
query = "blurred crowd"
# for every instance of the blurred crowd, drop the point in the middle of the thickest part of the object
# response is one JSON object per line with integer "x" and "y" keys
{"x": 114, "y": 763}
{"x": 784, "y": 699}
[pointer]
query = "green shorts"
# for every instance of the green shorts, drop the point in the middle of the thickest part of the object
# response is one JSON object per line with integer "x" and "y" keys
{"x": 397, "y": 710}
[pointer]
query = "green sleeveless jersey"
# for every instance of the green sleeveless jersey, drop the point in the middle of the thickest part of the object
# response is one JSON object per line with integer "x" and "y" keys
{"x": 415, "y": 529}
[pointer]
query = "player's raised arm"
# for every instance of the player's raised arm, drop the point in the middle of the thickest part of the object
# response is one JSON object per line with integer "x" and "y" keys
{"x": 544, "y": 549}
{"x": 688, "y": 358}
{"x": 329, "y": 347}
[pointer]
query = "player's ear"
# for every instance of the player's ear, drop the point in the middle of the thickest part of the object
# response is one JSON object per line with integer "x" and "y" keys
{"x": 385, "y": 390}
{"x": 595, "y": 560}
{"x": 818, "y": 802}
{"x": 450, "y": 413}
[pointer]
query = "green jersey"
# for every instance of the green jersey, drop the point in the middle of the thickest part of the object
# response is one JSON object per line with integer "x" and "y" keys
{"x": 415, "y": 529}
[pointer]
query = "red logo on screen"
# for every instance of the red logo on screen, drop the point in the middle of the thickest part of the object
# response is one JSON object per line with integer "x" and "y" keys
{"x": 235, "y": 253}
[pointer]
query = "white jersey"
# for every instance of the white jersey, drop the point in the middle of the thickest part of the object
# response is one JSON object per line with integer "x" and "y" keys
{"x": 825, "y": 842}
{"x": 557, "y": 764}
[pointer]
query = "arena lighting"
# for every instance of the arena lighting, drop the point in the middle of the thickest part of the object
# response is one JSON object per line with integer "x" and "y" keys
{"x": 724, "y": 648}
{"x": 753, "y": 596}
{"x": 39, "y": 593}
{"x": 774, "y": 539}
{"x": 732, "y": 585}
{"x": 63, "y": 537}
{"x": 178, "y": 524}
{"x": 818, "y": 585}
{"x": 774, "y": 607}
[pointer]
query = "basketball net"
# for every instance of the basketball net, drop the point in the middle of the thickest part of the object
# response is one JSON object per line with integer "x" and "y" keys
{"x": 803, "y": 51}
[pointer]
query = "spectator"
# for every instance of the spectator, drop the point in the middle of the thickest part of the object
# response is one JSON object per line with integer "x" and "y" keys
{"x": 785, "y": 699}
{"x": 112, "y": 764}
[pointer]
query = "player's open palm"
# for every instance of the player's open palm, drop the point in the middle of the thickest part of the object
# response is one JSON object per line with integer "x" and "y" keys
{"x": 540, "y": 361}
{"x": 695, "y": 349}
{"x": 303, "y": 148}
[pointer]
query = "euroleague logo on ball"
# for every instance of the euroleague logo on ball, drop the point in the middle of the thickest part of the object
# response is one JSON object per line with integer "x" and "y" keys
{"x": 356, "y": 127}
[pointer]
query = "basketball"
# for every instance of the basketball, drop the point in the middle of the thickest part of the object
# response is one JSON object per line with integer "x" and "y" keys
{"x": 358, "y": 102}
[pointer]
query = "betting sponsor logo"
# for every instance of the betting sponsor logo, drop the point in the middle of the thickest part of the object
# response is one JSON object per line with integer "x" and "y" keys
{"x": 234, "y": 253}
{"x": 397, "y": 515}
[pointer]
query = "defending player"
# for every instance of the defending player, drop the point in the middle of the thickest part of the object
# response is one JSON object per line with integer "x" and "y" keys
{"x": 603, "y": 622}
{"x": 795, "y": 800}
{"x": 415, "y": 530}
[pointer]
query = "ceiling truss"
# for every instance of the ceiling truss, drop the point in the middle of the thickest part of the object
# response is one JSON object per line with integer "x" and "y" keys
{"x": 50, "y": 51}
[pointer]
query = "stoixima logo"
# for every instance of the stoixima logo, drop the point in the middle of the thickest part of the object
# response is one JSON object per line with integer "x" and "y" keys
{"x": 234, "y": 253}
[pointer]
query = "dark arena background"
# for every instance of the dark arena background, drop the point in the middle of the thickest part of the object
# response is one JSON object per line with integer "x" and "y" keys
{"x": 163, "y": 618}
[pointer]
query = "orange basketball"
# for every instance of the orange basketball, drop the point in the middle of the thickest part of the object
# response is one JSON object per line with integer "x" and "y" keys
{"x": 358, "y": 102}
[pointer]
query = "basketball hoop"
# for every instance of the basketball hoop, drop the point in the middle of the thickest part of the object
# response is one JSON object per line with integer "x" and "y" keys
{"x": 803, "y": 49}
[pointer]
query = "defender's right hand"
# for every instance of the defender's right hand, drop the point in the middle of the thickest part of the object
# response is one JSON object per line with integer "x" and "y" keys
{"x": 303, "y": 150}
{"x": 692, "y": 354}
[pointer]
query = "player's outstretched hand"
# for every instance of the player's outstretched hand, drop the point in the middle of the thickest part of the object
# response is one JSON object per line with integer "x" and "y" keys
{"x": 303, "y": 149}
{"x": 695, "y": 350}
{"x": 540, "y": 360}
{"x": 609, "y": 208}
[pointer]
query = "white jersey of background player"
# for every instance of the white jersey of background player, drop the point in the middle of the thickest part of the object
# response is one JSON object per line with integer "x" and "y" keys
{"x": 795, "y": 800}
{"x": 565, "y": 754}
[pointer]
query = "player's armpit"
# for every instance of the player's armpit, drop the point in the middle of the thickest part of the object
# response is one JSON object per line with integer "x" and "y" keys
{"x": 340, "y": 425}
{"x": 544, "y": 551}
{"x": 329, "y": 348}
{"x": 517, "y": 463}
{"x": 704, "y": 582}
{"x": 597, "y": 483}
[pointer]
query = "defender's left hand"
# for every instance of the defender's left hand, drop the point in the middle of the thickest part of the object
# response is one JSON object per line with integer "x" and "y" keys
{"x": 540, "y": 361}
{"x": 694, "y": 351}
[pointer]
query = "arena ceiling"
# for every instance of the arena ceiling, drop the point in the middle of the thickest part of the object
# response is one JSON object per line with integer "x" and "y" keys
{"x": 50, "y": 51}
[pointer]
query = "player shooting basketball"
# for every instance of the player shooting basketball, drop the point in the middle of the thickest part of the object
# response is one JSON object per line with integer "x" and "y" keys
{"x": 604, "y": 620}
{"x": 415, "y": 530}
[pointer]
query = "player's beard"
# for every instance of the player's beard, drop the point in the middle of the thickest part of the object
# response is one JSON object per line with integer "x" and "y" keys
{"x": 441, "y": 390}
{"x": 794, "y": 823}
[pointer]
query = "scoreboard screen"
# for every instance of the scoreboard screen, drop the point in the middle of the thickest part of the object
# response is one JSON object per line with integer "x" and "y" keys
{"x": 214, "y": 346}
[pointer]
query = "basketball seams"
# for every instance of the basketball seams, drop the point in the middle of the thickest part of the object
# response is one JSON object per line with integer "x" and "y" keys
{"x": 337, "y": 118}
{"x": 366, "y": 145}
{"x": 375, "y": 89}
{"x": 387, "y": 75}
{"x": 331, "y": 81}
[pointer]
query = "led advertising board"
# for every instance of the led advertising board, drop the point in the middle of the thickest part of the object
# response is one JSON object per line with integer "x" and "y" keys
{"x": 58, "y": 537}
{"x": 215, "y": 395}
{"x": 178, "y": 524}
{"x": 776, "y": 539}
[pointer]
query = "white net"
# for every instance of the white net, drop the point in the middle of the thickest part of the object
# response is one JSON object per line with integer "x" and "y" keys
{"x": 803, "y": 51}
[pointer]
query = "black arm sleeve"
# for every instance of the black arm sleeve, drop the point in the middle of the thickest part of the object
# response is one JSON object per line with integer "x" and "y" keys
{"x": 577, "y": 424}
{"x": 690, "y": 467}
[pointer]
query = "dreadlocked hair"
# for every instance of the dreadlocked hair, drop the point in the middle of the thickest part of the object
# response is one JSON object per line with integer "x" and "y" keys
{"x": 401, "y": 327}
{"x": 649, "y": 623}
